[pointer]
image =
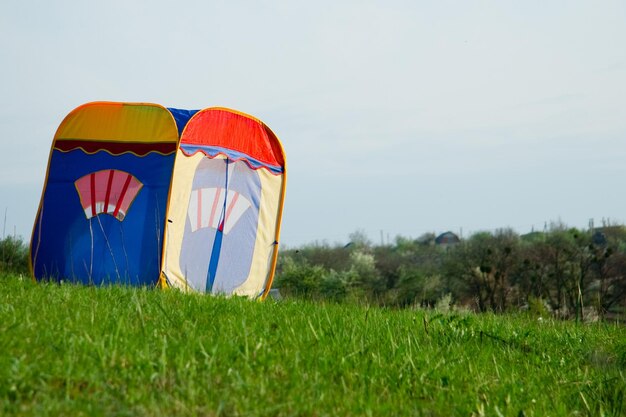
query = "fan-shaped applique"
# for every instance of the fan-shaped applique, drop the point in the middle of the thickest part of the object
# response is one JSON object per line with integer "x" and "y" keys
{"x": 108, "y": 191}
{"x": 208, "y": 209}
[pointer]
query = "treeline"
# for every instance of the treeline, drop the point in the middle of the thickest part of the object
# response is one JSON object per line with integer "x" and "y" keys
{"x": 564, "y": 271}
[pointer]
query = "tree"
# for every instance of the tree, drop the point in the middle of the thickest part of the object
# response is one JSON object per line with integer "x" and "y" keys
{"x": 482, "y": 268}
{"x": 360, "y": 240}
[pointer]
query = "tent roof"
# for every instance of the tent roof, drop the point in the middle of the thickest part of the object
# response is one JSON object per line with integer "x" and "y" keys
{"x": 219, "y": 128}
{"x": 137, "y": 128}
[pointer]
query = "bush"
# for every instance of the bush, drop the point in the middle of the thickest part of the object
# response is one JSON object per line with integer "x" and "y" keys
{"x": 333, "y": 285}
{"x": 13, "y": 255}
{"x": 538, "y": 308}
{"x": 414, "y": 287}
{"x": 299, "y": 278}
{"x": 364, "y": 279}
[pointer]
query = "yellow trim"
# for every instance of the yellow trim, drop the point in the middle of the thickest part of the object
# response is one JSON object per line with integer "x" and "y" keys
{"x": 279, "y": 217}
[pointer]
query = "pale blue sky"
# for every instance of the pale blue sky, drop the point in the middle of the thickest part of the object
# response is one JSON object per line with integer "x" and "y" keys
{"x": 401, "y": 116}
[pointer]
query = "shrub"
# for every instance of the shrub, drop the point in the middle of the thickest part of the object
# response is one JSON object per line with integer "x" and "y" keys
{"x": 13, "y": 255}
{"x": 299, "y": 278}
{"x": 333, "y": 285}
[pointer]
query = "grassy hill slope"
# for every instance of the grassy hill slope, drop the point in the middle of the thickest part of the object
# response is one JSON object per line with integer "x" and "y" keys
{"x": 76, "y": 350}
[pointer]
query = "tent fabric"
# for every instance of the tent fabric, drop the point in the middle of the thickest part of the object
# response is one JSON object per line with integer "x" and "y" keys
{"x": 228, "y": 185}
{"x": 131, "y": 123}
{"x": 140, "y": 194}
{"x": 234, "y": 131}
{"x": 181, "y": 116}
{"x": 93, "y": 141}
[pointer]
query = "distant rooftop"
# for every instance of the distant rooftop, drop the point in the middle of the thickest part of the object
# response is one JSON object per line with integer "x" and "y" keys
{"x": 447, "y": 238}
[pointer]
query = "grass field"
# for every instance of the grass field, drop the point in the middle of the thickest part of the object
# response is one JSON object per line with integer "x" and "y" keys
{"x": 75, "y": 350}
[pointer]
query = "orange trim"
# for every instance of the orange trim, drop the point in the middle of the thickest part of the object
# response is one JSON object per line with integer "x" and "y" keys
{"x": 279, "y": 217}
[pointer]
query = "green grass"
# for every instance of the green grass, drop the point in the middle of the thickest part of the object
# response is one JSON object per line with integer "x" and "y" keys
{"x": 76, "y": 350}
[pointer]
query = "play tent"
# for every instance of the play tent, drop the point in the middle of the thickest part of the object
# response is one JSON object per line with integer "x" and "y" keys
{"x": 140, "y": 194}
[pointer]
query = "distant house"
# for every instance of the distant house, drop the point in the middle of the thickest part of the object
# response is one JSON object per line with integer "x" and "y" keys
{"x": 447, "y": 239}
{"x": 598, "y": 238}
{"x": 602, "y": 235}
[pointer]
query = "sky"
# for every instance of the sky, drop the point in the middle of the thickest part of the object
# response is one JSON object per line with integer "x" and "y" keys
{"x": 398, "y": 118}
